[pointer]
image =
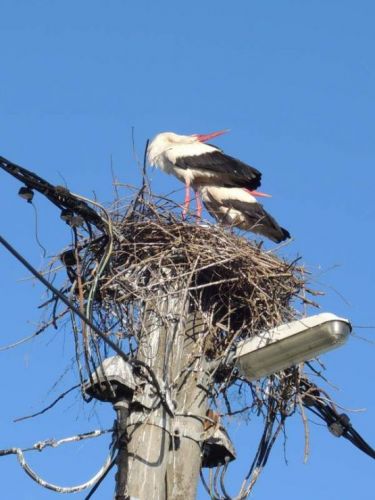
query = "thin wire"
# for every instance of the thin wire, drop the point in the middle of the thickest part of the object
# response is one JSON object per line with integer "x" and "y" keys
{"x": 206, "y": 487}
{"x": 222, "y": 481}
{"x": 215, "y": 481}
{"x": 100, "y": 334}
{"x": 62, "y": 297}
{"x": 99, "y": 482}
{"x": 105, "y": 258}
{"x": 37, "y": 231}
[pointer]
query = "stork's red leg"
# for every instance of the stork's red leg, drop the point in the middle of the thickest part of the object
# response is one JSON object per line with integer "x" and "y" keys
{"x": 187, "y": 200}
{"x": 199, "y": 205}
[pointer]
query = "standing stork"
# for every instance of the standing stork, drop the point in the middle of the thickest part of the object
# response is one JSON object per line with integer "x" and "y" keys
{"x": 239, "y": 207}
{"x": 196, "y": 164}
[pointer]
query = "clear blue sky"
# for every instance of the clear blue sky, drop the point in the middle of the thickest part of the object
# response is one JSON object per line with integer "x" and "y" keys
{"x": 294, "y": 81}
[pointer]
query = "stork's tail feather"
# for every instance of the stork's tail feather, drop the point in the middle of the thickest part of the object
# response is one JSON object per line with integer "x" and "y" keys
{"x": 285, "y": 235}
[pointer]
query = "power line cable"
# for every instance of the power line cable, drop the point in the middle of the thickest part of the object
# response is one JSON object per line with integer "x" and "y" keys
{"x": 338, "y": 424}
{"x": 62, "y": 297}
{"x": 94, "y": 328}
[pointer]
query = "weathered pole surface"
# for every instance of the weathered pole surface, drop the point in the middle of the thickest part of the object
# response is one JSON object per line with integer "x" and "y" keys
{"x": 148, "y": 424}
{"x": 191, "y": 397}
{"x": 164, "y": 450}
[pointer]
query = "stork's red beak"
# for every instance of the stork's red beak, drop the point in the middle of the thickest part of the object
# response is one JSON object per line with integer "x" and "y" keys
{"x": 259, "y": 194}
{"x": 207, "y": 137}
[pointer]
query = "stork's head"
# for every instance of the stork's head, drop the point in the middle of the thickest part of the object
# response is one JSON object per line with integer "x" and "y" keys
{"x": 166, "y": 140}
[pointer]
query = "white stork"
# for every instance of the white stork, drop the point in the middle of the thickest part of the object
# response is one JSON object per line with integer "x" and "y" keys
{"x": 197, "y": 164}
{"x": 239, "y": 207}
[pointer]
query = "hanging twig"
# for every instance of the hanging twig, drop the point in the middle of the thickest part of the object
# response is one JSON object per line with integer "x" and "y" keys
{"x": 62, "y": 396}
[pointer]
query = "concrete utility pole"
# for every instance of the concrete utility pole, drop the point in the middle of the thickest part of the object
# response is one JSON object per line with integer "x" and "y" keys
{"x": 164, "y": 449}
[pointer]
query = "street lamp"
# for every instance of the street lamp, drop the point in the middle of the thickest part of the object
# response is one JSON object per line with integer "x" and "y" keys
{"x": 290, "y": 344}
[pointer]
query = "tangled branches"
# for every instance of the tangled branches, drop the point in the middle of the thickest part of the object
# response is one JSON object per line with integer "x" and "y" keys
{"x": 239, "y": 289}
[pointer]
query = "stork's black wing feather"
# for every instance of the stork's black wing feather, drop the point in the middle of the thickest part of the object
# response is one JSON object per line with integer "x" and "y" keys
{"x": 234, "y": 172}
{"x": 260, "y": 220}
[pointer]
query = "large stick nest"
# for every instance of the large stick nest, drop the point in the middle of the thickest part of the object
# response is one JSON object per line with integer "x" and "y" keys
{"x": 239, "y": 288}
{"x": 148, "y": 254}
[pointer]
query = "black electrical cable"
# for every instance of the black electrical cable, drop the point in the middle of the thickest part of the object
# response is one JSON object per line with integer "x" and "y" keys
{"x": 264, "y": 449}
{"x": 207, "y": 488}
{"x": 62, "y": 297}
{"x": 99, "y": 482}
{"x": 58, "y": 195}
{"x": 76, "y": 311}
{"x": 348, "y": 431}
{"x": 338, "y": 424}
{"x": 222, "y": 481}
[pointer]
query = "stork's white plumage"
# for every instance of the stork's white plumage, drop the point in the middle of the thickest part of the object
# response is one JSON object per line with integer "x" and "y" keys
{"x": 196, "y": 164}
{"x": 238, "y": 207}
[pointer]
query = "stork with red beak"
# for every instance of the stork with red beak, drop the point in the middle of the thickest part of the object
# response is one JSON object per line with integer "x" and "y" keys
{"x": 197, "y": 164}
{"x": 238, "y": 207}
